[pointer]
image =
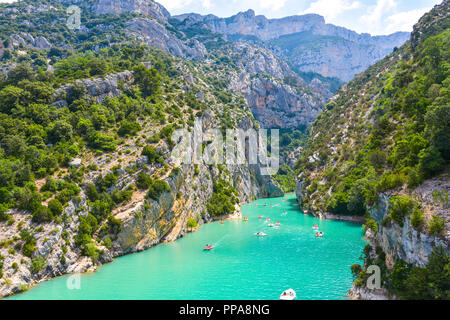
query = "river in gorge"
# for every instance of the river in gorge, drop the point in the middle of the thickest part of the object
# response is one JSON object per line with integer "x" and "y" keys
{"x": 241, "y": 265}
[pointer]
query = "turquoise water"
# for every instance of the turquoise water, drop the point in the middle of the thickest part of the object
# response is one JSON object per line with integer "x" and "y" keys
{"x": 241, "y": 266}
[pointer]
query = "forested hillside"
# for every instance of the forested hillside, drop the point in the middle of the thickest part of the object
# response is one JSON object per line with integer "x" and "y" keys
{"x": 381, "y": 149}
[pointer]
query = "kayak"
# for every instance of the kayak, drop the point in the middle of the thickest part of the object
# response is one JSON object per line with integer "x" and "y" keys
{"x": 262, "y": 234}
{"x": 260, "y": 217}
{"x": 208, "y": 247}
{"x": 289, "y": 294}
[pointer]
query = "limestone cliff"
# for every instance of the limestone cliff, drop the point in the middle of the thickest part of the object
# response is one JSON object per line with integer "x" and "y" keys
{"x": 306, "y": 41}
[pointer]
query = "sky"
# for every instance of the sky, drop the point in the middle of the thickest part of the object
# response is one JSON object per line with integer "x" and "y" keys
{"x": 377, "y": 17}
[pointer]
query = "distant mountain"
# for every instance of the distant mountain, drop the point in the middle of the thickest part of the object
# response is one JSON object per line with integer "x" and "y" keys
{"x": 306, "y": 42}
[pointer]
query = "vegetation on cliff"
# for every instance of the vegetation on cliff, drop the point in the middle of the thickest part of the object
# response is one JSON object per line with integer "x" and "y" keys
{"x": 388, "y": 128}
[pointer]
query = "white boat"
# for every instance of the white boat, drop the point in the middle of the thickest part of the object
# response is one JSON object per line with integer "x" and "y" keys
{"x": 289, "y": 294}
{"x": 270, "y": 225}
{"x": 262, "y": 234}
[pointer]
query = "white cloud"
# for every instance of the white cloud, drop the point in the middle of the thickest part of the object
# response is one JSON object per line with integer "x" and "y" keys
{"x": 174, "y": 4}
{"x": 206, "y": 4}
{"x": 272, "y": 4}
{"x": 331, "y": 9}
{"x": 375, "y": 13}
{"x": 404, "y": 21}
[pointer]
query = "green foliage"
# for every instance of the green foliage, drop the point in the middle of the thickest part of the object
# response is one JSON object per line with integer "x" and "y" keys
{"x": 356, "y": 270}
{"x": 42, "y": 215}
{"x": 417, "y": 219}
{"x": 144, "y": 181}
{"x": 430, "y": 282}
{"x": 86, "y": 228}
{"x": 1, "y": 265}
{"x": 400, "y": 207}
{"x": 55, "y": 207}
{"x": 387, "y": 128}
{"x": 37, "y": 264}
{"x": 371, "y": 224}
{"x": 156, "y": 188}
{"x": 223, "y": 199}
{"x": 191, "y": 223}
{"x": 152, "y": 155}
{"x": 436, "y": 226}
{"x": 285, "y": 178}
{"x": 91, "y": 251}
{"x": 129, "y": 128}
{"x": 149, "y": 80}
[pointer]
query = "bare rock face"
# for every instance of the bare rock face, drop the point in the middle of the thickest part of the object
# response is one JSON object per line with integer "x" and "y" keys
{"x": 29, "y": 41}
{"x": 305, "y": 41}
{"x": 248, "y": 24}
{"x": 363, "y": 293}
{"x": 278, "y": 106}
{"x": 148, "y": 8}
{"x": 274, "y": 102}
{"x": 405, "y": 242}
{"x": 156, "y": 35}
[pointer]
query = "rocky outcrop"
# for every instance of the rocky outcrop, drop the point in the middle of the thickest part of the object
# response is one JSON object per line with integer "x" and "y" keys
{"x": 156, "y": 35}
{"x": 51, "y": 245}
{"x": 147, "y": 8}
{"x": 277, "y": 105}
{"x": 305, "y": 41}
{"x": 363, "y": 293}
{"x": 274, "y": 102}
{"x": 27, "y": 40}
{"x": 248, "y": 24}
{"x": 97, "y": 88}
{"x": 403, "y": 242}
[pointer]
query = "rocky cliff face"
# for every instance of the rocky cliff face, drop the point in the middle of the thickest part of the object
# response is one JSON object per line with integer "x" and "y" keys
{"x": 403, "y": 242}
{"x": 99, "y": 88}
{"x": 277, "y": 96}
{"x": 150, "y": 27}
{"x": 148, "y": 8}
{"x": 305, "y": 41}
{"x": 156, "y": 35}
{"x": 144, "y": 222}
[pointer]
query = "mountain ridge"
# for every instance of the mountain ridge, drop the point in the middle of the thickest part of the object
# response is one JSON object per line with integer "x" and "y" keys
{"x": 333, "y": 52}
